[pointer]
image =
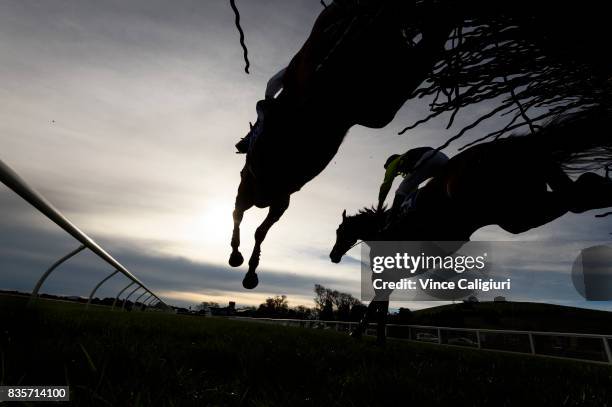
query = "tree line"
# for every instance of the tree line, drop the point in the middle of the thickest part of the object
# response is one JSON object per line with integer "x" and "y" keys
{"x": 330, "y": 305}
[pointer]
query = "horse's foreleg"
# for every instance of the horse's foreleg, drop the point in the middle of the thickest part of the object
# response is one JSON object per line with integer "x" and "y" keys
{"x": 365, "y": 320}
{"x": 236, "y": 258}
{"x": 244, "y": 201}
{"x": 274, "y": 214}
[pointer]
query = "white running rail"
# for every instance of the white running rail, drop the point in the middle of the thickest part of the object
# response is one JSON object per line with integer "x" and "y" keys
{"x": 592, "y": 348}
{"x": 12, "y": 180}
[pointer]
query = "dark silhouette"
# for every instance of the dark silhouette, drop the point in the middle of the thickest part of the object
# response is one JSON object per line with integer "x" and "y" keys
{"x": 517, "y": 183}
{"x": 364, "y": 59}
{"x": 274, "y": 306}
{"x": 305, "y": 125}
{"x": 335, "y": 305}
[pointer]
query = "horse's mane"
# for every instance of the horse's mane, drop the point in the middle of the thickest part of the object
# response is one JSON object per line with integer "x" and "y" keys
{"x": 372, "y": 211}
{"x": 578, "y": 142}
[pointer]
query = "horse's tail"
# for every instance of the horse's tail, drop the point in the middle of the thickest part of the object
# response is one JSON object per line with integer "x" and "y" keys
{"x": 579, "y": 141}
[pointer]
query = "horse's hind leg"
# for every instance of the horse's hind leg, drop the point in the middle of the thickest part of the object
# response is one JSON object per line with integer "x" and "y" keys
{"x": 381, "y": 328}
{"x": 244, "y": 201}
{"x": 591, "y": 191}
{"x": 275, "y": 212}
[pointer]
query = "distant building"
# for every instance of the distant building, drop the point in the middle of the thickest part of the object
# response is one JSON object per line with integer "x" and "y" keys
{"x": 499, "y": 299}
{"x": 223, "y": 311}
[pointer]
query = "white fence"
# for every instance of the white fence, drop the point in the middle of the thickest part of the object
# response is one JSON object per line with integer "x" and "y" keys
{"x": 573, "y": 346}
{"x": 12, "y": 180}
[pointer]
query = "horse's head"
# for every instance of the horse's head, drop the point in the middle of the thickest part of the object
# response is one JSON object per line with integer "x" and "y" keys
{"x": 346, "y": 237}
{"x": 363, "y": 226}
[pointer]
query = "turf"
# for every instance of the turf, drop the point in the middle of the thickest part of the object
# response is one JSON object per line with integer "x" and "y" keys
{"x": 145, "y": 358}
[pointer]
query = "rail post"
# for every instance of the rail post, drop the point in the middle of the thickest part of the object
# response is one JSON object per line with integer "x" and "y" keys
{"x": 121, "y": 292}
{"x": 18, "y": 185}
{"x": 144, "y": 302}
{"x": 129, "y": 295}
{"x": 531, "y": 344}
{"x": 607, "y": 349}
{"x": 104, "y": 280}
{"x": 140, "y": 296}
{"x": 55, "y": 265}
{"x": 478, "y": 339}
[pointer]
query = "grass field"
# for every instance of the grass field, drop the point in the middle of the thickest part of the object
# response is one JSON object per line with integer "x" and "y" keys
{"x": 141, "y": 359}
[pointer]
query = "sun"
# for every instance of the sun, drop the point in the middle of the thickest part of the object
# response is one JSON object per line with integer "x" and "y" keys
{"x": 213, "y": 225}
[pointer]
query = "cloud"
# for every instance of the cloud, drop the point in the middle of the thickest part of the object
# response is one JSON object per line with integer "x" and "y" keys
{"x": 25, "y": 253}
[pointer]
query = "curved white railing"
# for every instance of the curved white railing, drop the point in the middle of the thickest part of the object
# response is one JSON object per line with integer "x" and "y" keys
{"x": 436, "y": 334}
{"x": 12, "y": 180}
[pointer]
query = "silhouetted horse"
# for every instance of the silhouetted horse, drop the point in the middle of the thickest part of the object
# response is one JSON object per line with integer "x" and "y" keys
{"x": 324, "y": 94}
{"x": 517, "y": 183}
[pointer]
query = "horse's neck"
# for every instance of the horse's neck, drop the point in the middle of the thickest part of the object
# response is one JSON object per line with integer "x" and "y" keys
{"x": 296, "y": 147}
{"x": 369, "y": 227}
{"x": 310, "y": 126}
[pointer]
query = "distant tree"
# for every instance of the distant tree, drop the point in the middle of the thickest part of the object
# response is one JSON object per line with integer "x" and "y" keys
{"x": 322, "y": 296}
{"x": 333, "y": 304}
{"x": 302, "y": 312}
{"x": 327, "y": 312}
{"x": 357, "y": 312}
{"x": 276, "y": 306}
{"x": 344, "y": 303}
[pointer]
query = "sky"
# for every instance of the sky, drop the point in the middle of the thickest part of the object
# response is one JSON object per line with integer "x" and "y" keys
{"x": 124, "y": 115}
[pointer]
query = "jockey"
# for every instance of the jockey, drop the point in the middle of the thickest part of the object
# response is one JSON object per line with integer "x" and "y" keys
{"x": 416, "y": 166}
{"x": 274, "y": 86}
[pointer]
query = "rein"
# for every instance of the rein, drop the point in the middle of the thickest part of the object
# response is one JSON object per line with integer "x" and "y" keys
{"x": 356, "y": 243}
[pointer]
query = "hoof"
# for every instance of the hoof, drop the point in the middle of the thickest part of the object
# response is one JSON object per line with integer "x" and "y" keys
{"x": 250, "y": 281}
{"x": 236, "y": 259}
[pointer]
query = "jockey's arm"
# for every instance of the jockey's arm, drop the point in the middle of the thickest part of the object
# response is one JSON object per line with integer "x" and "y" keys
{"x": 275, "y": 84}
{"x": 390, "y": 174}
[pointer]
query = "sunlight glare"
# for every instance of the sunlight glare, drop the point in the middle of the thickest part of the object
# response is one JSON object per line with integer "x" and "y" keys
{"x": 213, "y": 225}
